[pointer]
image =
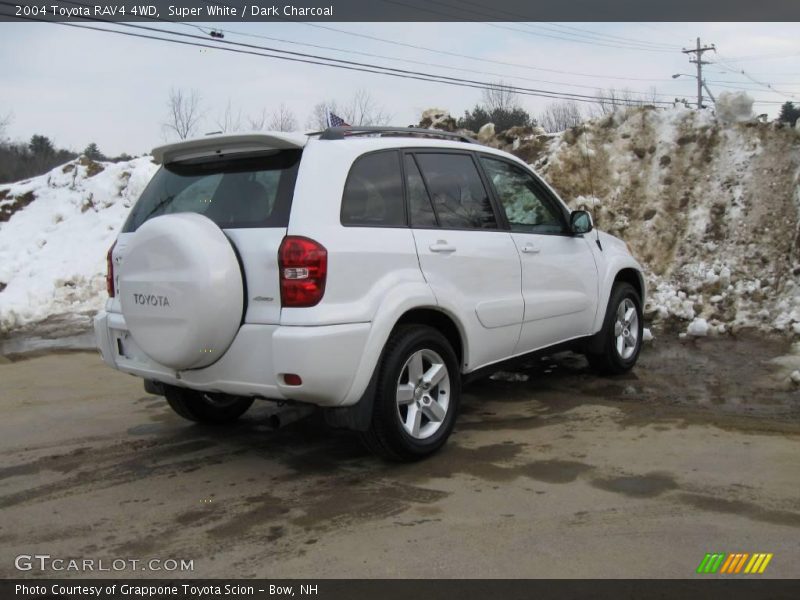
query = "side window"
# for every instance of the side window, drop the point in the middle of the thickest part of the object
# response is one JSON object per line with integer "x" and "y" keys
{"x": 373, "y": 194}
{"x": 457, "y": 192}
{"x": 525, "y": 208}
{"x": 419, "y": 203}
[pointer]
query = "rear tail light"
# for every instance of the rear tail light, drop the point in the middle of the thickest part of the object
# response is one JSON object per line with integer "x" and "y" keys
{"x": 110, "y": 271}
{"x": 303, "y": 267}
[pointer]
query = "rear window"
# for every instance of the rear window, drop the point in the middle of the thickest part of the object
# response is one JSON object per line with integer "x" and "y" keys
{"x": 254, "y": 190}
{"x": 373, "y": 194}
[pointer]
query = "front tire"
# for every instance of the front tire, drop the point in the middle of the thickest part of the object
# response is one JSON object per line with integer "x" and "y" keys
{"x": 621, "y": 336}
{"x": 417, "y": 395}
{"x": 206, "y": 407}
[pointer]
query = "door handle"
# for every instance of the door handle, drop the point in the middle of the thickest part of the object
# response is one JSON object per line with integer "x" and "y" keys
{"x": 530, "y": 249}
{"x": 441, "y": 246}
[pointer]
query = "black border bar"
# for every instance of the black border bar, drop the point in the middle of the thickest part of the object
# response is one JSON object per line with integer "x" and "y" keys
{"x": 412, "y": 10}
{"x": 732, "y": 588}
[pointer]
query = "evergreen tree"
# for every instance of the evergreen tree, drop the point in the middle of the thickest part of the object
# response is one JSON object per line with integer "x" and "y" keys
{"x": 93, "y": 152}
{"x": 41, "y": 146}
{"x": 503, "y": 118}
{"x": 789, "y": 113}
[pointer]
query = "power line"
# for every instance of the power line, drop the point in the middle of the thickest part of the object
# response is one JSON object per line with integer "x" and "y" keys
{"x": 455, "y": 54}
{"x": 486, "y": 85}
{"x": 339, "y": 63}
{"x": 507, "y": 28}
{"x": 391, "y": 72}
{"x": 724, "y": 64}
{"x": 670, "y": 47}
{"x": 476, "y": 58}
{"x": 523, "y": 18}
{"x": 416, "y": 62}
{"x": 763, "y": 57}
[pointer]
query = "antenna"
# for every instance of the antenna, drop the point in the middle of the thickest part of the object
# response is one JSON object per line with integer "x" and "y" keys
{"x": 591, "y": 181}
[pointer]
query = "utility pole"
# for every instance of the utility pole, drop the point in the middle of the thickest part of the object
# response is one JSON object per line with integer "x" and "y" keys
{"x": 698, "y": 60}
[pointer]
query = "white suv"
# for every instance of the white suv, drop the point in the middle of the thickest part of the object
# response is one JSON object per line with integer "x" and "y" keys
{"x": 366, "y": 271}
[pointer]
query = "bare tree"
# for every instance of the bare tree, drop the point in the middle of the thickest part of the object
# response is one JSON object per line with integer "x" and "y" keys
{"x": 183, "y": 113}
{"x": 558, "y": 116}
{"x": 258, "y": 122}
{"x": 5, "y": 121}
{"x": 611, "y": 99}
{"x": 318, "y": 119}
{"x": 651, "y": 96}
{"x": 230, "y": 120}
{"x": 283, "y": 119}
{"x": 361, "y": 109}
{"x": 499, "y": 96}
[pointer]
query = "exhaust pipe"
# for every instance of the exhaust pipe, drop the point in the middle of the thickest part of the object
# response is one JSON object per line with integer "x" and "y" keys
{"x": 286, "y": 415}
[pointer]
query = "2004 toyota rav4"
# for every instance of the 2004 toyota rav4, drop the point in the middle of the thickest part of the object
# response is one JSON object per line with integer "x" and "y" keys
{"x": 364, "y": 274}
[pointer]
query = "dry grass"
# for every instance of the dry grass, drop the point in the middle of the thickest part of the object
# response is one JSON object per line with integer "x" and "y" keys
{"x": 8, "y": 209}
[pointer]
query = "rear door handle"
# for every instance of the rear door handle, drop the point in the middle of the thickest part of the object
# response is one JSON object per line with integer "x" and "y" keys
{"x": 442, "y": 246}
{"x": 530, "y": 249}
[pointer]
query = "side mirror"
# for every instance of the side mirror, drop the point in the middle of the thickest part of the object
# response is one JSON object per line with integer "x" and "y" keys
{"x": 580, "y": 221}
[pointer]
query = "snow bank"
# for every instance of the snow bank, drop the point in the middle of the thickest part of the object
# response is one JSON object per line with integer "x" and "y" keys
{"x": 734, "y": 107}
{"x": 53, "y": 249}
{"x": 710, "y": 205}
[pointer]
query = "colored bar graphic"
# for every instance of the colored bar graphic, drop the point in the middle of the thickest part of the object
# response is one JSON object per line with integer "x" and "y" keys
{"x": 711, "y": 562}
{"x": 741, "y": 562}
{"x": 764, "y": 564}
{"x": 733, "y": 563}
{"x": 703, "y": 563}
{"x": 729, "y": 562}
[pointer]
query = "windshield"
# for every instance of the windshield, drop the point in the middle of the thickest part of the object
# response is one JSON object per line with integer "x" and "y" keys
{"x": 254, "y": 190}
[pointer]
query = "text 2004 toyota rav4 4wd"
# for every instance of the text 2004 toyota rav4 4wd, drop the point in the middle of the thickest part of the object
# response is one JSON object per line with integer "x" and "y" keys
{"x": 364, "y": 274}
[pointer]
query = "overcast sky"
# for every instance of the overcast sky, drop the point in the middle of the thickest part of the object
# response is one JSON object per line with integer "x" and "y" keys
{"x": 78, "y": 86}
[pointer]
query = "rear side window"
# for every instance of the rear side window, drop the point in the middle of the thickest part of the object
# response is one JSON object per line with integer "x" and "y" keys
{"x": 243, "y": 191}
{"x": 373, "y": 194}
{"x": 459, "y": 197}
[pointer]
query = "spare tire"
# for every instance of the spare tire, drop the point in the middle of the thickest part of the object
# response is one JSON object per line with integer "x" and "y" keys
{"x": 181, "y": 290}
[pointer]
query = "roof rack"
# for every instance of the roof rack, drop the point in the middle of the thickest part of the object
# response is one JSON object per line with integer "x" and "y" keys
{"x": 339, "y": 133}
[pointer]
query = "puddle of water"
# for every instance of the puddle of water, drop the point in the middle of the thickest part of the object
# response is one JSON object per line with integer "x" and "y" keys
{"x": 638, "y": 486}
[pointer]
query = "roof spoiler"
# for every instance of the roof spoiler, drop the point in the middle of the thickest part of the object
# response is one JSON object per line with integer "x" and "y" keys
{"x": 222, "y": 144}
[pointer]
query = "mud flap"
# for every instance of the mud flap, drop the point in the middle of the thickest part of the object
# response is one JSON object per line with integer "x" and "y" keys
{"x": 153, "y": 387}
{"x": 357, "y": 417}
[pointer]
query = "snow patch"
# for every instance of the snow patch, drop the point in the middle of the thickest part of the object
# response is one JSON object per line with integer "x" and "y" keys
{"x": 52, "y": 252}
{"x": 734, "y": 107}
{"x": 698, "y": 328}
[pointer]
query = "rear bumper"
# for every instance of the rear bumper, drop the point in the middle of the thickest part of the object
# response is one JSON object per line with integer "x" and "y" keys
{"x": 326, "y": 358}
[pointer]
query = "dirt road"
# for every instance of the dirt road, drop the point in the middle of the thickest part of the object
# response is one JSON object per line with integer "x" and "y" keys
{"x": 552, "y": 472}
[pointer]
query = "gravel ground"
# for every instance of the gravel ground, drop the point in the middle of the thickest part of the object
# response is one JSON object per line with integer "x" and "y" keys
{"x": 551, "y": 472}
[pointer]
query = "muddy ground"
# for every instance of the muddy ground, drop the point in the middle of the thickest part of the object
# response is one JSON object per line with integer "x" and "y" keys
{"x": 563, "y": 474}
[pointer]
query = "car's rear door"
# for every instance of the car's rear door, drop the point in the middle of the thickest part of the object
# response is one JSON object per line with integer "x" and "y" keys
{"x": 471, "y": 264}
{"x": 559, "y": 274}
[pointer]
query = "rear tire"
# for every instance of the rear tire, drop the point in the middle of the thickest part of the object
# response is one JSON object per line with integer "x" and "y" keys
{"x": 621, "y": 335}
{"x": 417, "y": 395}
{"x": 206, "y": 407}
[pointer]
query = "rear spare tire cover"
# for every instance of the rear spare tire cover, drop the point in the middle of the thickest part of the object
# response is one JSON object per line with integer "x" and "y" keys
{"x": 181, "y": 290}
